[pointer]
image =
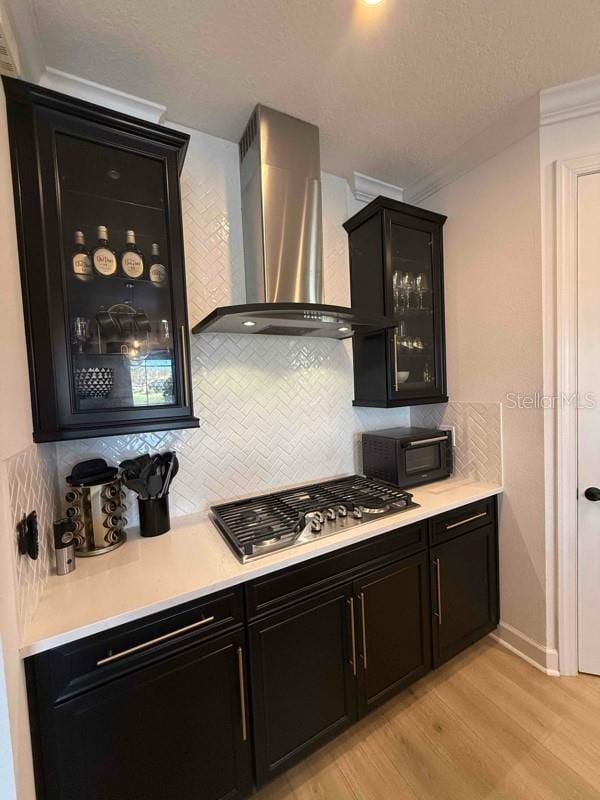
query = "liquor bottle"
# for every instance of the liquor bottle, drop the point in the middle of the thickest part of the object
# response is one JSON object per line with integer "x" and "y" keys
{"x": 82, "y": 266}
{"x": 157, "y": 272}
{"x": 132, "y": 259}
{"x": 104, "y": 258}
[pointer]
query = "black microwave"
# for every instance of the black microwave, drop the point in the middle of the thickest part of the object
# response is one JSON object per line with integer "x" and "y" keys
{"x": 407, "y": 456}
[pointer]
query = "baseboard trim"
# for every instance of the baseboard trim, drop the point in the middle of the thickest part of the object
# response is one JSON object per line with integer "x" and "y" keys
{"x": 543, "y": 658}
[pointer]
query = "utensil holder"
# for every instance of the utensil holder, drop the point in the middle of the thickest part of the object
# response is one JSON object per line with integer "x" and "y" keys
{"x": 154, "y": 516}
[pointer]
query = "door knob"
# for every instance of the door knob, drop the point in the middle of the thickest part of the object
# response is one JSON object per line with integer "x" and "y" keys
{"x": 592, "y": 493}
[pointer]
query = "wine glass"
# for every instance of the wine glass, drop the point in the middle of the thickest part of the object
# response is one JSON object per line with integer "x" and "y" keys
{"x": 421, "y": 287}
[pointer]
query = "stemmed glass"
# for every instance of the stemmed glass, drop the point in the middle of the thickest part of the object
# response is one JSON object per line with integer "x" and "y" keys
{"x": 421, "y": 286}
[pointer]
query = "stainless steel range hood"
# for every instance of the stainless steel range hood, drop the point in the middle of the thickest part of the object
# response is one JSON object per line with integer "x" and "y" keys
{"x": 280, "y": 174}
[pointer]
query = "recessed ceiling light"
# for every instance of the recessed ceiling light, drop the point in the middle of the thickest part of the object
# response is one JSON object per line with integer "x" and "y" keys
{"x": 343, "y": 329}
{"x": 249, "y": 323}
{"x": 372, "y": 2}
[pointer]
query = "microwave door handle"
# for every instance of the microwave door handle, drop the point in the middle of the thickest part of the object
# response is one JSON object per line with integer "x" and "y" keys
{"x": 422, "y": 442}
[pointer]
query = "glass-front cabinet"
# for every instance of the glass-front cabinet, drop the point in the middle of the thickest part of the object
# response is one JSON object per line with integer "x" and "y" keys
{"x": 396, "y": 268}
{"x": 99, "y": 219}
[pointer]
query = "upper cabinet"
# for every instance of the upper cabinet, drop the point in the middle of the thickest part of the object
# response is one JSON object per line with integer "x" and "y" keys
{"x": 396, "y": 269}
{"x": 100, "y": 243}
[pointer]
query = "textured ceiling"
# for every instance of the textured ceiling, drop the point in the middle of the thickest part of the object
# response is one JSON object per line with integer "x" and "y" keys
{"x": 394, "y": 88}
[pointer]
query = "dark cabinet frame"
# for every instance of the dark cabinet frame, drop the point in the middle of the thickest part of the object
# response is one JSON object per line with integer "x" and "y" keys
{"x": 35, "y": 115}
{"x": 371, "y": 270}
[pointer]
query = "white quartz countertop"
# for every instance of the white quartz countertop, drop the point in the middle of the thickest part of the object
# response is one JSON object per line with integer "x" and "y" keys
{"x": 149, "y": 575}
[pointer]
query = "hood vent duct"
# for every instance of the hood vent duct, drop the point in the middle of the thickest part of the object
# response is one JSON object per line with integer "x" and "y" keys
{"x": 280, "y": 174}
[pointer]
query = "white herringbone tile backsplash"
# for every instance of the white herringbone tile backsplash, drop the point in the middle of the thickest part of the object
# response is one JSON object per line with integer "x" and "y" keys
{"x": 273, "y": 410}
{"x": 478, "y": 433}
{"x": 31, "y": 476}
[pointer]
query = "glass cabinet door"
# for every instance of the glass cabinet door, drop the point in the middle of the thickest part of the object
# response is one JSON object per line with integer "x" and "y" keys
{"x": 116, "y": 271}
{"x": 414, "y": 298}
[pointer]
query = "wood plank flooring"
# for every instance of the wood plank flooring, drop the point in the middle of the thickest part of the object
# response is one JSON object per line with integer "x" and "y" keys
{"x": 487, "y": 725}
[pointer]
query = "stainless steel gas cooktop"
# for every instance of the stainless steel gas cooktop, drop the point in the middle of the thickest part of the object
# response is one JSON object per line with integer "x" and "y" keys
{"x": 261, "y": 525}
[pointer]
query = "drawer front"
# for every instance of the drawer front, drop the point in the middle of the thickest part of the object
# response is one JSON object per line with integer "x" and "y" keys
{"x": 295, "y": 583}
{"x": 70, "y": 669}
{"x": 462, "y": 520}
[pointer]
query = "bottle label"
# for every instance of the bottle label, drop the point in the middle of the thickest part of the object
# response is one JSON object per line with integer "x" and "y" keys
{"x": 132, "y": 265}
{"x": 105, "y": 261}
{"x": 158, "y": 273}
{"x": 82, "y": 264}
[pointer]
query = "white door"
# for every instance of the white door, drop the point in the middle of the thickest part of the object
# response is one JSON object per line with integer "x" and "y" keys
{"x": 588, "y": 378}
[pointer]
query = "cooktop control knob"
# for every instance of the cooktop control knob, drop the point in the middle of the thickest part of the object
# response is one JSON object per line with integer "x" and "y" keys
{"x": 357, "y": 513}
{"x": 316, "y": 525}
{"x": 319, "y": 516}
{"x": 331, "y": 515}
{"x": 342, "y": 511}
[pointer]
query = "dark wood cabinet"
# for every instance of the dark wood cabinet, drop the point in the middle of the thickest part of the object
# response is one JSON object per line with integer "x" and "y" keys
{"x": 303, "y": 687}
{"x": 171, "y": 730}
{"x": 155, "y": 709}
{"x": 464, "y": 585}
{"x": 393, "y": 629}
{"x": 175, "y": 704}
{"x": 108, "y": 341}
{"x": 396, "y": 269}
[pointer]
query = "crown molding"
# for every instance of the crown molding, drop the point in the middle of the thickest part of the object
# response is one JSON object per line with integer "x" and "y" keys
{"x": 365, "y": 188}
{"x": 570, "y": 100}
{"x": 520, "y": 122}
{"x": 102, "y": 95}
{"x": 27, "y": 41}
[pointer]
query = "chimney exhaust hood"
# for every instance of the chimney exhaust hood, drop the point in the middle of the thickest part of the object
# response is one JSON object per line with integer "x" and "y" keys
{"x": 280, "y": 173}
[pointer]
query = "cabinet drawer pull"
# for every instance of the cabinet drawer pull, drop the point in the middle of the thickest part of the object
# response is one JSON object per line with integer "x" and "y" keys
{"x": 468, "y": 519}
{"x": 240, "y": 655}
{"x": 353, "y": 635}
{"x": 151, "y": 642}
{"x": 438, "y": 581}
{"x": 364, "y": 629}
{"x": 184, "y": 367}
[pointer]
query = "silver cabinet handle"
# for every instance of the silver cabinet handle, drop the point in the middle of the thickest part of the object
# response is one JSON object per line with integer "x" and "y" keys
{"x": 438, "y": 580}
{"x": 468, "y": 519}
{"x": 422, "y": 442}
{"x": 395, "y": 344}
{"x": 185, "y": 367}
{"x": 242, "y": 679}
{"x": 353, "y": 635}
{"x": 364, "y": 629}
{"x": 158, "y": 639}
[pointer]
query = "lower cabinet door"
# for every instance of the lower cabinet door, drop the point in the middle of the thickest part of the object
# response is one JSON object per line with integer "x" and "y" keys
{"x": 303, "y": 686}
{"x": 393, "y": 629}
{"x": 174, "y": 729}
{"x": 464, "y": 586}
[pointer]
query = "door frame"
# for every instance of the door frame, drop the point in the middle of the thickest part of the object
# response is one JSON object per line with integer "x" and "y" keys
{"x": 567, "y": 175}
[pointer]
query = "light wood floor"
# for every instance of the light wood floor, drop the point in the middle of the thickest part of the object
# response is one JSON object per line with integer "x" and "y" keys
{"x": 487, "y": 725}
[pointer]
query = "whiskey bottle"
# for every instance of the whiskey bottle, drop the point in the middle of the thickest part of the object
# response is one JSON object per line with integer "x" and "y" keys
{"x": 104, "y": 258}
{"x": 82, "y": 266}
{"x": 157, "y": 272}
{"x": 132, "y": 259}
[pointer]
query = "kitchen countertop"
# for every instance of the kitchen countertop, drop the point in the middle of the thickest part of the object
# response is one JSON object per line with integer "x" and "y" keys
{"x": 149, "y": 575}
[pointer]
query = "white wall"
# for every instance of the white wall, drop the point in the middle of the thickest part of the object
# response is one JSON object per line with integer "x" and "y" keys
{"x": 15, "y": 436}
{"x": 494, "y": 347}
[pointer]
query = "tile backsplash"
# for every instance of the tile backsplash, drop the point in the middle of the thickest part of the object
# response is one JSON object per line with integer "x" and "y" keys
{"x": 31, "y": 476}
{"x": 477, "y": 432}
